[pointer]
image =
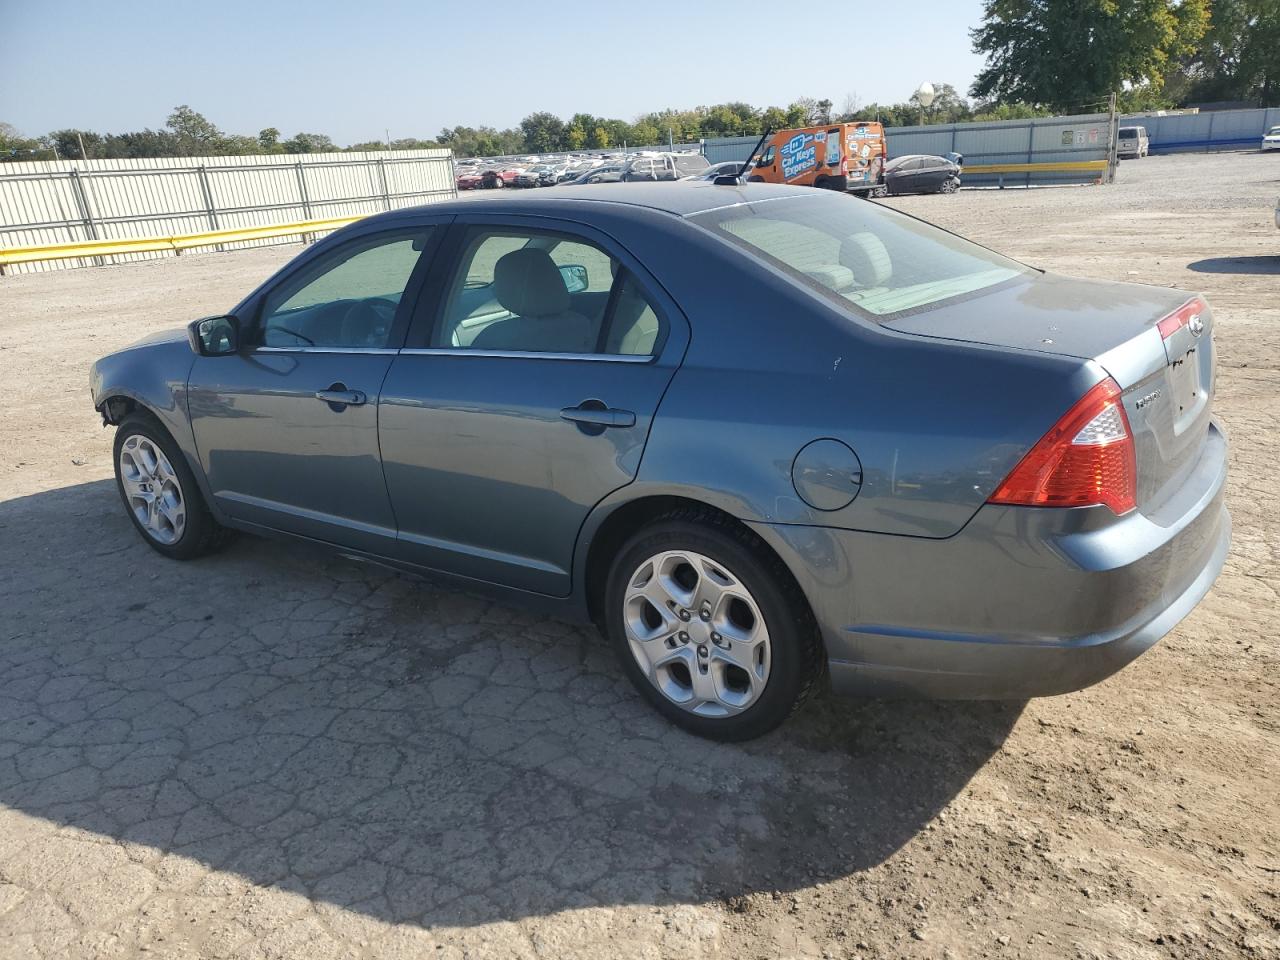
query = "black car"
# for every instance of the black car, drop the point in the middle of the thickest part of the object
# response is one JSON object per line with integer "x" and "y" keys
{"x": 919, "y": 173}
{"x": 606, "y": 174}
{"x": 728, "y": 168}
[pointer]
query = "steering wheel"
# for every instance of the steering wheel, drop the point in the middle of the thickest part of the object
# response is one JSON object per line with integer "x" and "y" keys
{"x": 367, "y": 323}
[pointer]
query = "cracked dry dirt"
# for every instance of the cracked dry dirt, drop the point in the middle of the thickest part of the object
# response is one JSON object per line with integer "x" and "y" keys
{"x": 271, "y": 753}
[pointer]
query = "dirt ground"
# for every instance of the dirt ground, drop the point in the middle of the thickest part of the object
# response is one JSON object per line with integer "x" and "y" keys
{"x": 271, "y": 753}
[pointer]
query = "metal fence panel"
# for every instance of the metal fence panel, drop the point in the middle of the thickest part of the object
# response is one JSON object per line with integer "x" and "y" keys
{"x": 1211, "y": 130}
{"x": 50, "y": 202}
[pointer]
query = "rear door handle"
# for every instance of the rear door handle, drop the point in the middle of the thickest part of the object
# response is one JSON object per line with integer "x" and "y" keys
{"x": 339, "y": 396}
{"x": 597, "y": 414}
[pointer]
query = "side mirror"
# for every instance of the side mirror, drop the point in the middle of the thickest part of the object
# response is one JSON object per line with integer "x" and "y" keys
{"x": 574, "y": 276}
{"x": 214, "y": 336}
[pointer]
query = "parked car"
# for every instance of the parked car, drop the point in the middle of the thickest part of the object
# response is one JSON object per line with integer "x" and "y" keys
{"x": 491, "y": 180}
{"x": 946, "y": 474}
{"x": 469, "y": 180}
{"x": 663, "y": 166}
{"x": 535, "y": 176}
{"x": 1133, "y": 143}
{"x": 608, "y": 173}
{"x": 1271, "y": 139}
{"x": 729, "y": 168}
{"x": 919, "y": 173}
{"x": 839, "y": 156}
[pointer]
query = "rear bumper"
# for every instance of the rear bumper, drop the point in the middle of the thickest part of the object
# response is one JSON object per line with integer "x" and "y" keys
{"x": 1023, "y": 602}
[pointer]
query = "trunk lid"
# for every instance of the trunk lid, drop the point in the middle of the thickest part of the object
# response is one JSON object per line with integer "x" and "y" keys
{"x": 1167, "y": 381}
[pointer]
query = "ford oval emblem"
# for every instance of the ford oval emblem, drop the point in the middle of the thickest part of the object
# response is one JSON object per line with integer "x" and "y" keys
{"x": 1196, "y": 325}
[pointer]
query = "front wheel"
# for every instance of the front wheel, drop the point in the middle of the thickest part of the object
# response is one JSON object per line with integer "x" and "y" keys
{"x": 711, "y": 628}
{"x": 949, "y": 186}
{"x": 160, "y": 493}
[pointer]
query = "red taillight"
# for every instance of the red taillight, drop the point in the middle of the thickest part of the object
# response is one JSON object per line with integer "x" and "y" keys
{"x": 1181, "y": 317}
{"x": 1085, "y": 460}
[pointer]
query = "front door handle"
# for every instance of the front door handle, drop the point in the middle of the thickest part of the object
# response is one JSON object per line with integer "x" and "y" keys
{"x": 593, "y": 416}
{"x": 338, "y": 396}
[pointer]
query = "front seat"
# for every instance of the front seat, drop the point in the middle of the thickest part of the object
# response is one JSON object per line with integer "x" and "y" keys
{"x": 527, "y": 283}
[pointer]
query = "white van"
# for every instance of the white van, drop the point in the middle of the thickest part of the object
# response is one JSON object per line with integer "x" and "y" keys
{"x": 1133, "y": 143}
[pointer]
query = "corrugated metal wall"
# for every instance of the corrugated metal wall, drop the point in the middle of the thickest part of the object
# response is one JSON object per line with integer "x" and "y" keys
{"x": 63, "y": 201}
{"x": 1212, "y": 130}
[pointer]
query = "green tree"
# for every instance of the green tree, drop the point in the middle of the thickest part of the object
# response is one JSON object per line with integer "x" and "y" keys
{"x": 1239, "y": 57}
{"x": 309, "y": 143}
{"x": 269, "y": 140}
{"x": 1072, "y": 55}
{"x": 14, "y": 146}
{"x": 67, "y": 144}
{"x": 543, "y": 132}
{"x": 196, "y": 136}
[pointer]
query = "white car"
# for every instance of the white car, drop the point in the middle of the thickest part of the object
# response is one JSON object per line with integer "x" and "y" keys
{"x": 1271, "y": 139}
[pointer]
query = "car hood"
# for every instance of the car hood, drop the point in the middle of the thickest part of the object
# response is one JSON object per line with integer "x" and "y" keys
{"x": 160, "y": 336}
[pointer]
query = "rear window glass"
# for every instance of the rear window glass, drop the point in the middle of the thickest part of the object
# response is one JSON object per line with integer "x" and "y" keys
{"x": 1128, "y": 133}
{"x": 874, "y": 258}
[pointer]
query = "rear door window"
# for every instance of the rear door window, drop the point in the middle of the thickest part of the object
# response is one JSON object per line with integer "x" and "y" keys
{"x": 864, "y": 255}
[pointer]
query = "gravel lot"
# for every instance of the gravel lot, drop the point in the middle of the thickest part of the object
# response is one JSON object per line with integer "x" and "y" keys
{"x": 272, "y": 753}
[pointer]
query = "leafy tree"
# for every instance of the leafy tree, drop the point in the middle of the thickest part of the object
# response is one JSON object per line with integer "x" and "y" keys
{"x": 1239, "y": 58}
{"x": 598, "y": 139}
{"x": 196, "y": 136}
{"x": 67, "y": 143}
{"x": 1072, "y": 55}
{"x": 269, "y": 140}
{"x": 14, "y": 146}
{"x": 309, "y": 143}
{"x": 543, "y": 132}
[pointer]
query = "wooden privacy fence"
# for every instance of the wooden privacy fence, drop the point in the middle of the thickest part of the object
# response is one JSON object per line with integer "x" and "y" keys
{"x": 56, "y": 214}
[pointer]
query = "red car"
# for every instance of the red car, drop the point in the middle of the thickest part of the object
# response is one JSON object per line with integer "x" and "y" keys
{"x": 469, "y": 181}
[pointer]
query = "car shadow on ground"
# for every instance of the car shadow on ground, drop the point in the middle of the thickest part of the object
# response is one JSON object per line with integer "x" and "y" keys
{"x": 410, "y": 752}
{"x": 1250, "y": 265}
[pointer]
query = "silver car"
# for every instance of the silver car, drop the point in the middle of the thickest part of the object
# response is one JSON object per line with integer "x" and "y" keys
{"x": 765, "y": 437}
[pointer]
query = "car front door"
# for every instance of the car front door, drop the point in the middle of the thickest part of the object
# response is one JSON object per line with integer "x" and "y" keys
{"x": 287, "y": 428}
{"x": 523, "y": 398}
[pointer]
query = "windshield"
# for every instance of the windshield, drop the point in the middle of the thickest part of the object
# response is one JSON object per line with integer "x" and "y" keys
{"x": 878, "y": 260}
{"x": 1274, "y": 132}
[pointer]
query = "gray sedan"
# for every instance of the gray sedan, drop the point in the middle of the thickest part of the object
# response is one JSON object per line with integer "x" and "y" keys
{"x": 765, "y": 437}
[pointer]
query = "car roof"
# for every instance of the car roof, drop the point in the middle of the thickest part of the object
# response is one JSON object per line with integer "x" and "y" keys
{"x": 682, "y": 198}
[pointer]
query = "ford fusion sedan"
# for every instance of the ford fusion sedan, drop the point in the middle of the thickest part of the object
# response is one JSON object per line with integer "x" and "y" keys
{"x": 765, "y": 437}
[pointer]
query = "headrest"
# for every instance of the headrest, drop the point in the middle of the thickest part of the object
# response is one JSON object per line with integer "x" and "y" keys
{"x": 866, "y": 256}
{"x": 527, "y": 282}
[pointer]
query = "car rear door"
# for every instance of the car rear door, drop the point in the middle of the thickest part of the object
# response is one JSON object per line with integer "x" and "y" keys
{"x": 286, "y": 429}
{"x": 494, "y": 456}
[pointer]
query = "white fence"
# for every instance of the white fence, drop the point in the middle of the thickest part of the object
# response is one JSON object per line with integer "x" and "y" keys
{"x": 50, "y": 202}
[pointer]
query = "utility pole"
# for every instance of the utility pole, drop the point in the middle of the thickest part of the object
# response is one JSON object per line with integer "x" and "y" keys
{"x": 83, "y": 155}
{"x": 1113, "y": 143}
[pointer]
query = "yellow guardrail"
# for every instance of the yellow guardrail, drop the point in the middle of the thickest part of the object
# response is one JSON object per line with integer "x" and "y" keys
{"x": 1070, "y": 166}
{"x": 174, "y": 243}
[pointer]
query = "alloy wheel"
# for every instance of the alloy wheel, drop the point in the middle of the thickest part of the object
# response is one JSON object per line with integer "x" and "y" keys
{"x": 152, "y": 490}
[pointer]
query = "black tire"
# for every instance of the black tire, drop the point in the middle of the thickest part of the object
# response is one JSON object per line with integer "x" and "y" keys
{"x": 797, "y": 660}
{"x": 201, "y": 534}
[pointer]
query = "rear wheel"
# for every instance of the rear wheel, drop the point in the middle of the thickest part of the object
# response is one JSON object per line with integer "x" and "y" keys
{"x": 160, "y": 493}
{"x": 710, "y": 627}
{"x": 949, "y": 186}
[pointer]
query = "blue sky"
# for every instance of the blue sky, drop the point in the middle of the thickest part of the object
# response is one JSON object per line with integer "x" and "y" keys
{"x": 354, "y": 69}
